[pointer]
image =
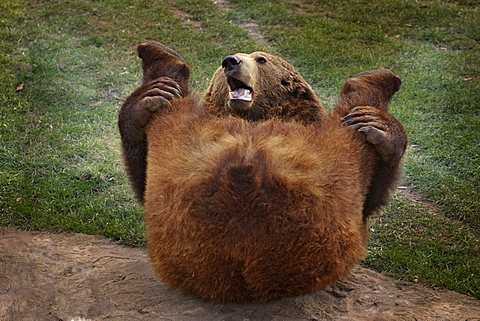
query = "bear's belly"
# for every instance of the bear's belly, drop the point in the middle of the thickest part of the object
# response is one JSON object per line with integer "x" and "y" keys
{"x": 253, "y": 213}
{"x": 240, "y": 256}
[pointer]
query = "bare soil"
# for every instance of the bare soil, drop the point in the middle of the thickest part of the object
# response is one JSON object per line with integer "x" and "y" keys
{"x": 186, "y": 19}
{"x": 251, "y": 27}
{"x": 80, "y": 277}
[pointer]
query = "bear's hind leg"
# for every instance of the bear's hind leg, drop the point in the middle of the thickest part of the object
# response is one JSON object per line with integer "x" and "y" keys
{"x": 363, "y": 106}
{"x": 165, "y": 78}
{"x": 134, "y": 115}
{"x": 371, "y": 88}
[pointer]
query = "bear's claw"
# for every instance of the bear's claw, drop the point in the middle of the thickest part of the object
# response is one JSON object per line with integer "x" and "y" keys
{"x": 159, "y": 94}
{"x": 165, "y": 87}
{"x": 379, "y": 129}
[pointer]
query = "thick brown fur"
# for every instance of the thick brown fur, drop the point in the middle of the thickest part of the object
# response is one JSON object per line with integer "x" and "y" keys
{"x": 258, "y": 205}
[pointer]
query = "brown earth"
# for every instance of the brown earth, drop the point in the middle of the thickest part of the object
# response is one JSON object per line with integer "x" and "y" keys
{"x": 251, "y": 27}
{"x": 80, "y": 277}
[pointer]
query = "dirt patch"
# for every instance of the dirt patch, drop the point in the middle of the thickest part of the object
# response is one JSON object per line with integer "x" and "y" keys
{"x": 186, "y": 19}
{"x": 251, "y": 27}
{"x": 80, "y": 277}
{"x": 414, "y": 196}
{"x": 253, "y": 30}
{"x": 223, "y": 5}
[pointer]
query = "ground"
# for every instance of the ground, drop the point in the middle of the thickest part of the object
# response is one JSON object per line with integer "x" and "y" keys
{"x": 80, "y": 277}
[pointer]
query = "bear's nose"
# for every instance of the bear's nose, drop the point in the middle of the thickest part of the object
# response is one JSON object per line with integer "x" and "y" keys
{"x": 231, "y": 62}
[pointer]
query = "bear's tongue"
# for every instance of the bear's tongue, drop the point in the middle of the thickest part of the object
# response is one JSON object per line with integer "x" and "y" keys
{"x": 241, "y": 94}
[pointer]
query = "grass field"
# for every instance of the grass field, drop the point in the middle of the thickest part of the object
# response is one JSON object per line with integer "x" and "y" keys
{"x": 66, "y": 67}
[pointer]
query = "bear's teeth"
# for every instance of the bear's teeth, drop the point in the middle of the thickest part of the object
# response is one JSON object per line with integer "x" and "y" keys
{"x": 241, "y": 94}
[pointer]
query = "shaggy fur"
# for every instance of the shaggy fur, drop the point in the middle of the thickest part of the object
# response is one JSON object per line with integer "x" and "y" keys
{"x": 262, "y": 200}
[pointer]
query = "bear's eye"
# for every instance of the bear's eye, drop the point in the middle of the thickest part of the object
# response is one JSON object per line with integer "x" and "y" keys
{"x": 261, "y": 60}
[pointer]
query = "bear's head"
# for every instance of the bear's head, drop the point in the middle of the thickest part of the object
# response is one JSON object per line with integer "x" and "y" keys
{"x": 261, "y": 86}
{"x": 256, "y": 86}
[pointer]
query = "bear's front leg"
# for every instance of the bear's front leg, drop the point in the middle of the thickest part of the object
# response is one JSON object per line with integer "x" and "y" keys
{"x": 381, "y": 130}
{"x": 151, "y": 98}
{"x": 165, "y": 78}
{"x": 363, "y": 106}
{"x": 389, "y": 140}
{"x": 138, "y": 109}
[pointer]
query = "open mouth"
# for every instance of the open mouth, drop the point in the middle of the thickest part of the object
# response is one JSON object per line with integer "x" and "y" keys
{"x": 239, "y": 90}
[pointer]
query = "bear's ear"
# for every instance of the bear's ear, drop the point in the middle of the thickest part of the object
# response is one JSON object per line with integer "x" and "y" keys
{"x": 160, "y": 61}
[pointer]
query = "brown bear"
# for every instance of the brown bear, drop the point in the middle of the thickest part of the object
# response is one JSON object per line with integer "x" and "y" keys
{"x": 256, "y": 193}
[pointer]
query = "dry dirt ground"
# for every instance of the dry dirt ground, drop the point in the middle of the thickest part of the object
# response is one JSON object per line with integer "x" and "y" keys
{"x": 80, "y": 277}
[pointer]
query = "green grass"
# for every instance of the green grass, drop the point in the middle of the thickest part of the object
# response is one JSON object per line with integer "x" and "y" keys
{"x": 413, "y": 245}
{"x": 60, "y": 165}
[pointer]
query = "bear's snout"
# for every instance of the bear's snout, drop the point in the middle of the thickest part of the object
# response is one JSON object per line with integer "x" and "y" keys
{"x": 231, "y": 63}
